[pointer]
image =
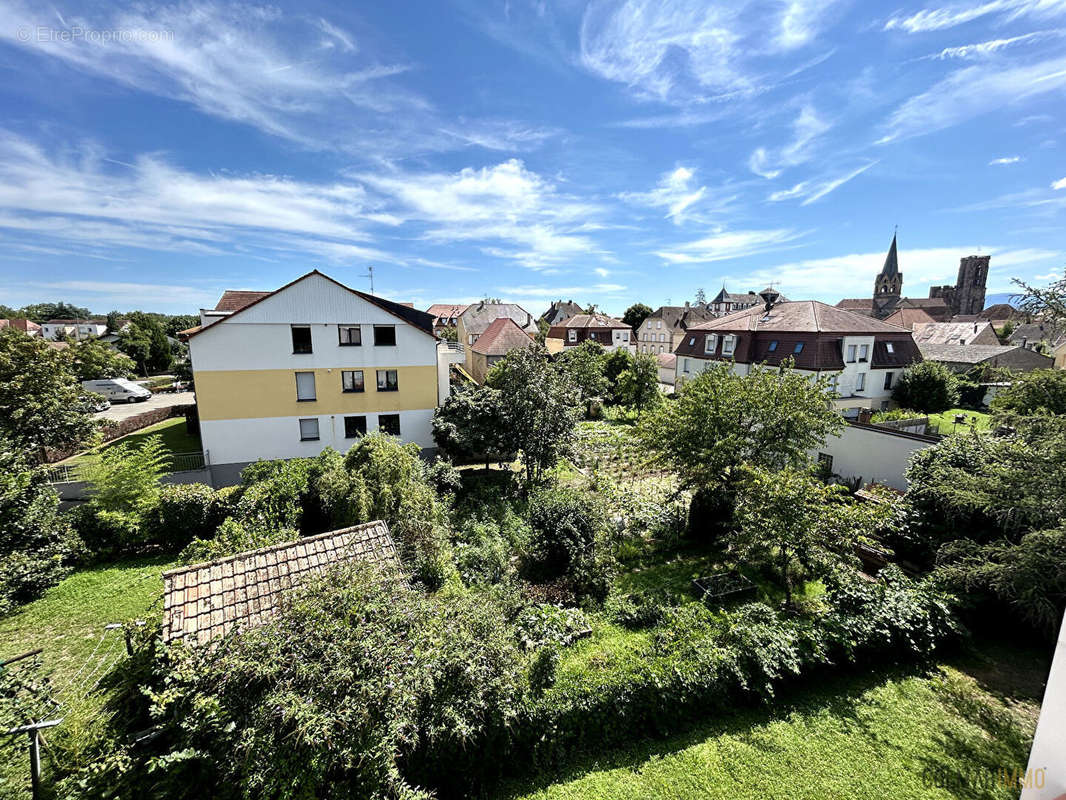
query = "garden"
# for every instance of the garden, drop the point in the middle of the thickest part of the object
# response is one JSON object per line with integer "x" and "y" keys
{"x": 658, "y": 577}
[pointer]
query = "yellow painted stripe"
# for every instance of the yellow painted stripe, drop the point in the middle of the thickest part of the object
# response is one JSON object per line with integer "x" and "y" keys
{"x": 261, "y": 393}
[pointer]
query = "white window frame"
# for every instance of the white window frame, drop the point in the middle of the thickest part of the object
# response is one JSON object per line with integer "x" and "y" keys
{"x": 852, "y": 350}
{"x": 864, "y": 353}
{"x": 729, "y": 345}
{"x": 349, "y": 328}
{"x": 860, "y": 382}
{"x": 571, "y": 335}
{"x": 710, "y": 344}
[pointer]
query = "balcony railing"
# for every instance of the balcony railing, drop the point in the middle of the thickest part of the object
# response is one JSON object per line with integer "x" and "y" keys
{"x": 79, "y": 471}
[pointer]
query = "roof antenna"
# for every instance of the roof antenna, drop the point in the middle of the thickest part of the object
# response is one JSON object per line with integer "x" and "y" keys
{"x": 369, "y": 274}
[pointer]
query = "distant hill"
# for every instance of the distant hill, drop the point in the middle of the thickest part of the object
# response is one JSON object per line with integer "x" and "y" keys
{"x": 1002, "y": 297}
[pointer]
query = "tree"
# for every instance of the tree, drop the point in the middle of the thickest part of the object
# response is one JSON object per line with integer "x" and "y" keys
{"x": 636, "y": 314}
{"x": 591, "y": 308}
{"x": 124, "y": 485}
{"x": 42, "y": 312}
{"x": 584, "y": 367}
{"x": 180, "y": 322}
{"x": 146, "y": 343}
{"x": 797, "y": 526}
{"x": 1042, "y": 391}
{"x": 449, "y": 334}
{"x": 540, "y": 407}
{"x": 468, "y": 426}
{"x": 638, "y": 385}
{"x": 95, "y": 360}
{"x": 927, "y": 386}
{"x": 701, "y": 297}
{"x": 769, "y": 418}
{"x": 41, "y": 401}
{"x": 1048, "y": 303}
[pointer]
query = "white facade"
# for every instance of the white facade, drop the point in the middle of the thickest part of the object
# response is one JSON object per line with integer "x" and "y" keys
{"x": 877, "y": 455}
{"x": 73, "y": 330}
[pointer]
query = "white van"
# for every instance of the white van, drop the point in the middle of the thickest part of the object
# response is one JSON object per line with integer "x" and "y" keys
{"x": 118, "y": 390}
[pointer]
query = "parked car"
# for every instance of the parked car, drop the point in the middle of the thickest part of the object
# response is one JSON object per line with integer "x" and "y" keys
{"x": 95, "y": 403}
{"x": 118, "y": 390}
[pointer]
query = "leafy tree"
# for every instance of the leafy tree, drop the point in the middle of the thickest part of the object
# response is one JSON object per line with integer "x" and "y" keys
{"x": 449, "y": 334}
{"x": 40, "y": 399}
{"x": 636, "y": 314}
{"x": 145, "y": 341}
{"x": 1048, "y": 303}
{"x": 180, "y": 322}
{"x": 769, "y": 418}
{"x": 1042, "y": 391}
{"x": 638, "y": 385}
{"x": 124, "y": 485}
{"x": 42, "y": 312}
{"x": 94, "y": 360}
{"x": 584, "y": 367}
{"x": 569, "y": 539}
{"x": 927, "y": 386}
{"x": 797, "y": 526}
{"x": 36, "y": 541}
{"x": 540, "y": 408}
{"x": 468, "y": 426}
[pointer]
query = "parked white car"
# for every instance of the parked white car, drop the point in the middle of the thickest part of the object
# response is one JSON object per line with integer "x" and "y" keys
{"x": 118, "y": 390}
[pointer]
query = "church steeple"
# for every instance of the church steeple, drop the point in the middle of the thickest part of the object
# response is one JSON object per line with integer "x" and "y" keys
{"x": 888, "y": 286}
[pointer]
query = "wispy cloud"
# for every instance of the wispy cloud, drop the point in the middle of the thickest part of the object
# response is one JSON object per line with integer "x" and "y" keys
{"x": 806, "y": 128}
{"x": 675, "y": 192}
{"x": 814, "y": 190}
{"x": 1004, "y": 161}
{"x": 970, "y": 92}
{"x": 950, "y": 16}
{"x": 110, "y": 294}
{"x": 972, "y": 52}
{"x": 560, "y": 291}
{"x": 1059, "y": 184}
{"x": 723, "y": 245}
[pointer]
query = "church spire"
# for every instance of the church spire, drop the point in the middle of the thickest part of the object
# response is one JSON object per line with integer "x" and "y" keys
{"x": 888, "y": 286}
{"x": 891, "y": 267}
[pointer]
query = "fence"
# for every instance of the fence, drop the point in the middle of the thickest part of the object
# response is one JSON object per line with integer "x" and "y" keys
{"x": 78, "y": 471}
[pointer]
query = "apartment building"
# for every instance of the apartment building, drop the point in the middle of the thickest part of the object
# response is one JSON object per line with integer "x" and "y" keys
{"x": 73, "y": 328}
{"x": 312, "y": 365}
{"x": 864, "y": 356}
{"x": 611, "y": 333}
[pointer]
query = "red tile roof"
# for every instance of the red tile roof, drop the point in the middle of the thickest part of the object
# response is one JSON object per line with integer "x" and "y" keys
{"x": 24, "y": 325}
{"x": 446, "y": 310}
{"x": 236, "y": 299}
{"x": 203, "y": 601}
{"x": 501, "y": 337}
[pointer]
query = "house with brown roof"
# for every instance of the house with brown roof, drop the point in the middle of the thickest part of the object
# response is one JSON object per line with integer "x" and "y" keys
{"x": 28, "y": 327}
{"x": 206, "y": 601}
{"x": 962, "y": 358}
{"x": 477, "y": 317}
{"x": 662, "y": 330}
{"x": 954, "y": 333}
{"x": 499, "y": 339}
{"x": 611, "y": 333}
{"x": 446, "y": 316}
{"x": 863, "y": 356}
{"x": 230, "y": 301}
{"x": 903, "y": 317}
{"x": 560, "y": 311}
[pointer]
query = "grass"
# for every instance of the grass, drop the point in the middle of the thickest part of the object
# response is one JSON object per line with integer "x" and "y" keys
{"x": 945, "y": 421}
{"x": 68, "y": 623}
{"x": 880, "y": 735}
{"x": 175, "y": 436}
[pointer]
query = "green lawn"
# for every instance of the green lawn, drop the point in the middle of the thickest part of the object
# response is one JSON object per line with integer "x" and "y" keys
{"x": 68, "y": 623}
{"x": 875, "y": 736}
{"x": 946, "y": 421}
{"x": 176, "y": 439}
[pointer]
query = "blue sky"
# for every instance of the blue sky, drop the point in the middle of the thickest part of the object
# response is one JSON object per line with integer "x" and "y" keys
{"x": 153, "y": 155}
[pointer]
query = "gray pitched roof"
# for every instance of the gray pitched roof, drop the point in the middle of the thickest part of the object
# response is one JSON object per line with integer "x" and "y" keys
{"x": 963, "y": 353}
{"x": 478, "y": 317}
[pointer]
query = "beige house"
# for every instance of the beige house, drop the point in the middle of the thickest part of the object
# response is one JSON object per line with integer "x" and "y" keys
{"x": 663, "y": 330}
{"x": 611, "y": 333}
{"x": 499, "y": 339}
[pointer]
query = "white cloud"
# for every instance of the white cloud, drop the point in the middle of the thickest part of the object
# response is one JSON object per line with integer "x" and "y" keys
{"x": 972, "y": 52}
{"x": 814, "y": 190}
{"x": 970, "y": 92}
{"x": 603, "y": 273}
{"x": 806, "y": 128}
{"x": 561, "y": 291}
{"x": 723, "y": 245}
{"x": 1059, "y": 184}
{"x": 1004, "y": 160}
{"x": 935, "y": 19}
{"x": 111, "y": 294}
{"x": 675, "y": 192}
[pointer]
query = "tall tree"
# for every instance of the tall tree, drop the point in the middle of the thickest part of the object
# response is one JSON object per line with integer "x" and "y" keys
{"x": 540, "y": 407}
{"x": 1042, "y": 391}
{"x": 146, "y": 343}
{"x": 638, "y": 385}
{"x": 636, "y": 314}
{"x": 40, "y": 399}
{"x": 42, "y": 312}
{"x": 584, "y": 366}
{"x": 95, "y": 360}
{"x": 1047, "y": 302}
{"x": 768, "y": 418}
{"x": 469, "y": 425}
{"x": 701, "y": 297}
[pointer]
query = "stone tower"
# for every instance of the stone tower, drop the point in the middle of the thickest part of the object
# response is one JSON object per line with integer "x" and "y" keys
{"x": 889, "y": 285}
{"x": 970, "y": 286}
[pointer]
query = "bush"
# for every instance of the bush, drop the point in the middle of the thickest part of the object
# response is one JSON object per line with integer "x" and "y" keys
{"x": 233, "y": 537}
{"x": 928, "y": 386}
{"x": 187, "y": 511}
{"x": 569, "y": 539}
{"x": 547, "y": 625}
{"x": 486, "y": 549}
{"x": 638, "y": 610}
{"x": 1042, "y": 391}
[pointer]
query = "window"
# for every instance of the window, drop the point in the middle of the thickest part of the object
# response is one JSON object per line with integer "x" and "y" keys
{"x": 354, "y": 427}
{"x": 710, "y": 343}
{"x": 472, "y": 337}
{"x": 309, "y": 430}
{"x": 662, "y": 337}
{"x": 384, "y": 335}
{"x": 860, "y": 382}
{"x": 658, "y": 323}
{"x": 387, "y": 380}
{"x": 301, "y": 338}
{"x": 826, "y": 460}
{"x": 352, "y": 380}
{"x": 649, "y": 324}
{"x": 888, "y": 380}
{"x": 350, "y": 335}
{"x": 890, "y": 347}
{"x": 851, "y": 354}
{"x": 773, "y": 346}
{"x": 864, "y": 352}
{"x": 571, "y": 335}
{"x": 660, "y": 348}
{"x": 798, "y": 348}
{"x": 729, "y": 344}
{"x": 684, "y": 363}
{"x": 833, "y": 382}
{"x": 692, "y": 341}
{"x": 389, "y": 423}
{"x": 305, "y": 386}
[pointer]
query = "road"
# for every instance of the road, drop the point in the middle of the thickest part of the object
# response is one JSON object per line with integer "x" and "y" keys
{"x": 121, "y": 411}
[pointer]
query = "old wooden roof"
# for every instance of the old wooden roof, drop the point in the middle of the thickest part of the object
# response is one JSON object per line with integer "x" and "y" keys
{"x": 204, "y": 601}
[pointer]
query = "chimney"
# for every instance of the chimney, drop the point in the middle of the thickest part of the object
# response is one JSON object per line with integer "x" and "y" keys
{"x": 1025, "y": 339}
{"x": 975, "y": 326}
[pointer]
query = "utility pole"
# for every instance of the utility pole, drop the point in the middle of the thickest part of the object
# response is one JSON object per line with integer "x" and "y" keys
{"x": 370, "y": 274}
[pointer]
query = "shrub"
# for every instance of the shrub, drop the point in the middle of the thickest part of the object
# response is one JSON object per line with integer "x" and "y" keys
{"x": 233, "y": 537}
{"x": 637, "y": 610}
{"x": 486, "y": 549}
{"x": 927, "y": 386}
{"x": 547, "y": 625}
{"x": 1042, "y": 391}
{"x": 187, "y": 511}
{"x": 569, "y": 538}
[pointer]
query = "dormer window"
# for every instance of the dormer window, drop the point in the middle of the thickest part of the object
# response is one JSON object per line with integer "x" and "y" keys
{"x": 773, "y": 346}
{"x": 864, "y": 353}
{"x": 710, "y": 344}
{"x": 729, "y": 344}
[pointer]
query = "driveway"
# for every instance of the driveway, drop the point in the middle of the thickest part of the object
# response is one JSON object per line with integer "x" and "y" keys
{"x": 121, "y": 411}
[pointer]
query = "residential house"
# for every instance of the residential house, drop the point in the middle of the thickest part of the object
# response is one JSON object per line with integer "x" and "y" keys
{"x": 499, "y": 339}
{"x": 446, "y": 316}
{"x": 73, "y": 328}
{"x": 612, "y": 333}
{"x": 965, "y": 357}
{"x": 727, "y": 302}
{"x": 667, "y": 368}
{"x": 312, "y": 365}
{"x": 662, "y": 330}
{"x": 28, "y": 327}
{"x": 204, "y": 601}
{"x": 560, "y": 311}
{"x": 1041, "y": 336}
{"x": 864, "y": 356}
{"x": 976, "y": 332}
{"x": 478, "y": 316}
